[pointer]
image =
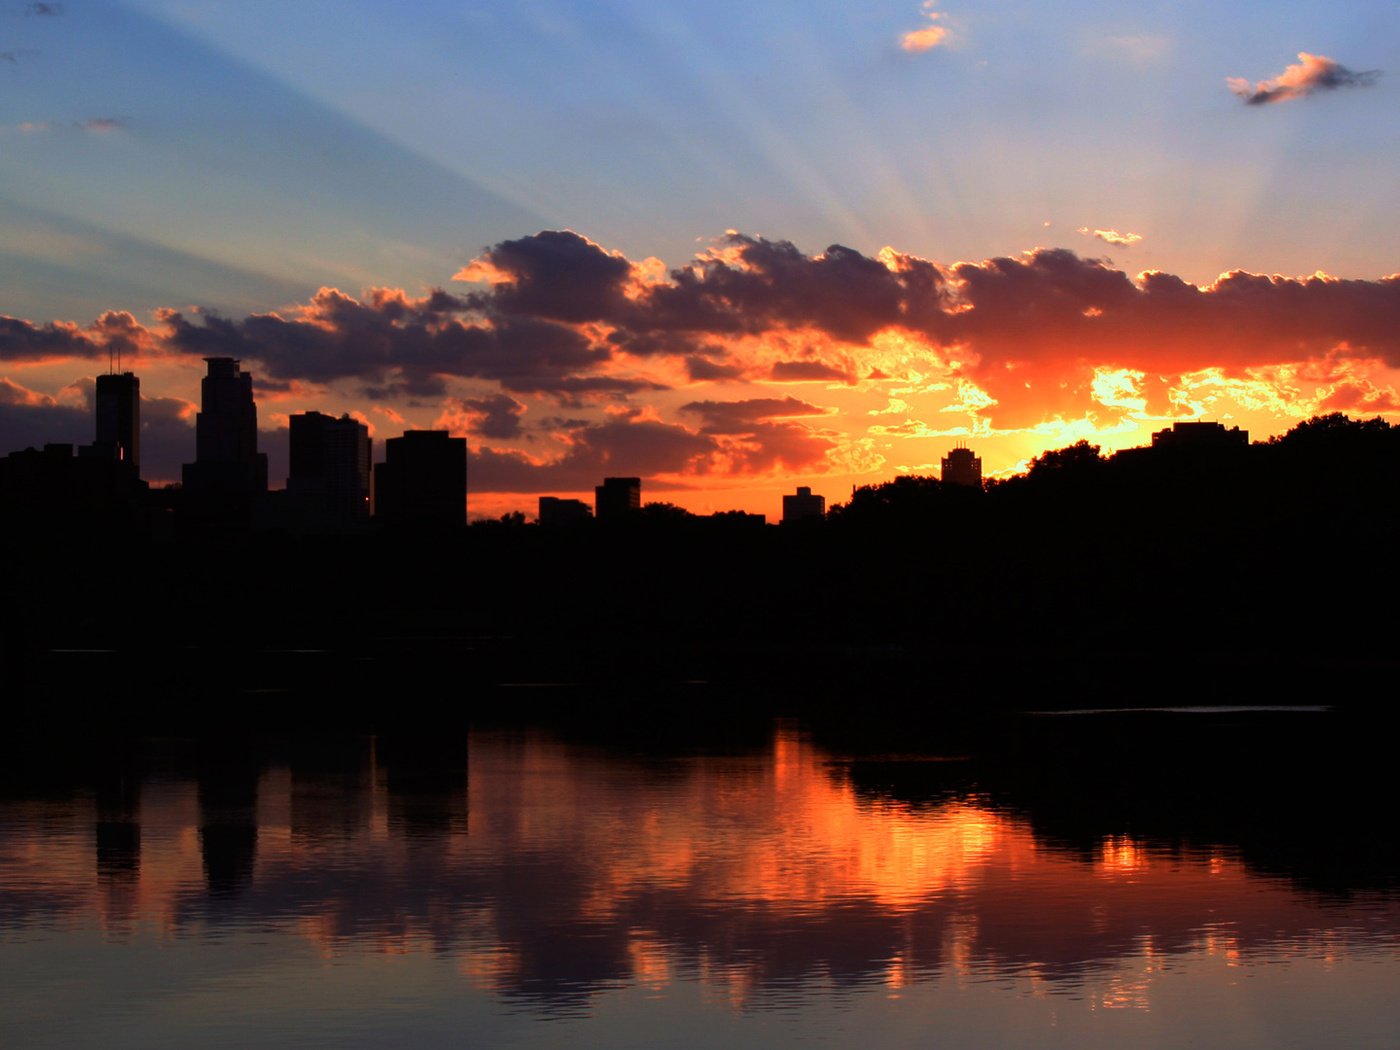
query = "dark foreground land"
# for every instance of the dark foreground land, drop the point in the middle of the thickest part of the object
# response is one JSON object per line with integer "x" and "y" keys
{"x": 1264, "y": 575}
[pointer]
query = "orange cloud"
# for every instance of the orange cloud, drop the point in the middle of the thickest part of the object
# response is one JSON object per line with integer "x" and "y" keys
{"x": 927, "y": 37}
{"x": 1312, "y": 73}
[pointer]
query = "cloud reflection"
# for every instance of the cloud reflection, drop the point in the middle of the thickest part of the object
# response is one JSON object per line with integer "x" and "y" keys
{"x": 552, "y": 873}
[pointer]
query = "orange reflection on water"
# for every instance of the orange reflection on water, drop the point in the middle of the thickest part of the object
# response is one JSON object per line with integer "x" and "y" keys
{"x": 819, "y": 844}
{"x": 651, "y": 962}
{"x": 491, "y": 969}
{"x": 544, "y": 866}
{"x": 1121, "y": 855}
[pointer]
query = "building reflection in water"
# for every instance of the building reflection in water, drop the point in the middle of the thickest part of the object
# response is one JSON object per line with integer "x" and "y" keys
{"x": 117, "y": 838}
{"x": 228, "y": 825}
{"x": 549, "y": 873}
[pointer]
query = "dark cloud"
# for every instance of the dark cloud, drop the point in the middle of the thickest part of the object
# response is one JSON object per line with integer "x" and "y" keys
{"x": 497, "y": 416}
{"x": 1052, "y": 303}
{"x": 641, "y": 448}
{"x": 400, "y": 347}
{"x": 17, "y": 55}
{"x": 729, "y": 417}
{"x": 739, "y": 437}
{"x": 704, "y": 369}
{"x": 555, "y": 274}
{"x": 167, "y": 437}
{"x": 808, "y": 371}
{"x": 758, "y": 435}
{"x": 562, "y": 423}
{"x": 1313, "y": 73}
{"x": 32, "y": 420}
{"x": 745, "y": 286}
{"x": 751, "y": 285}
{"x": 115, "y": 332}
{"x": 41, "y": 10}
{"x": 573, "y": 389}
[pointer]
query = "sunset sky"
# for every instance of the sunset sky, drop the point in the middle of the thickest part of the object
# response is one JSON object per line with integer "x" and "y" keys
{"x": 729, "y": 247}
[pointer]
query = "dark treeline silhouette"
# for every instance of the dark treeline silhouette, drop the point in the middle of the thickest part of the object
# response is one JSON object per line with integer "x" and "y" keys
{"x": 1231, "y": 572}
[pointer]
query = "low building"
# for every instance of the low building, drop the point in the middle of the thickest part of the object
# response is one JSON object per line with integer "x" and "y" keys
{"x": 556, "y": 511}
{"x": 1199, "y": 434}
{"x": 803, "y": 506}
{"x": 617, "y": 499}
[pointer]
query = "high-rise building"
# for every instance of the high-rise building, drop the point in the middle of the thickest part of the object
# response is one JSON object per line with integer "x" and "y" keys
{"x": 422, "y": 482}
{"x": 803, "y": 505}
{"x": 328, "y": 483}
{"x": 961, "y": 467}
{"x": 227, "y": 461}
{"x": 118, "y": 405}
{"x": 617, "y": 498}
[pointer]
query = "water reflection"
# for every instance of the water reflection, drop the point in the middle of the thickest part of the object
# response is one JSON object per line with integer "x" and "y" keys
{"x": 548, "y": 874}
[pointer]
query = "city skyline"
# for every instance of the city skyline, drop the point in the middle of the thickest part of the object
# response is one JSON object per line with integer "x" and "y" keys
{"x": 732, "y": 252}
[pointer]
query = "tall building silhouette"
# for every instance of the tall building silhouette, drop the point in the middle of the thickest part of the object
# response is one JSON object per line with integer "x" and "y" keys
{"x": 803, "y": 505}
{"x": 227, "y": 461}
{"x": 118, "y": 411}
{"x": 422, "y": 482}
{"x": 961, "y": 467}
{"x": 617, "y": 498}
{"x": 328, "y": 487}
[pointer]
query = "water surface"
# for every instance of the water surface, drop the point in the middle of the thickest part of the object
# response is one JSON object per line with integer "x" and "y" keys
{"x": 512, "y": 888}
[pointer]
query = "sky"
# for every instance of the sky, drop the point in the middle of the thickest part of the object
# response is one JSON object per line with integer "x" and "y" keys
{"x": 729, "y": 248}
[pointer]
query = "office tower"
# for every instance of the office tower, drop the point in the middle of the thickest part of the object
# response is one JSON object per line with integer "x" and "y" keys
{"x": 617, "y": 498}
{"x": 422, "y": 482}
{"x": 328, "y": 486}
{"x": 227, "y": 461}
{"x": 803, "y": 505}
{"x": 118, "y": 405}
{"x": 961, "y": 467}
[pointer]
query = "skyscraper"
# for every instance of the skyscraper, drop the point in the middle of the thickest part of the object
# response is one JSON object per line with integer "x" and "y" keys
{"x": 227, "y": 461}
{"x": 118, "y": 406}
{"x": 422, "y": 482}
{"x": 328, "y": 483}
{"x": 961, "y": 467}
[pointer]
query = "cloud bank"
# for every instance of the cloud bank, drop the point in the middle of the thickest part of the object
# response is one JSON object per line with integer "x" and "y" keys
{"x": 739, "y": 363}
